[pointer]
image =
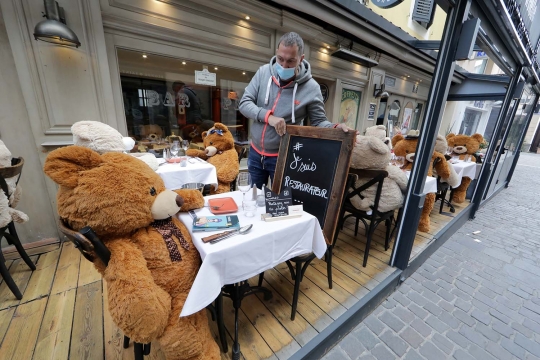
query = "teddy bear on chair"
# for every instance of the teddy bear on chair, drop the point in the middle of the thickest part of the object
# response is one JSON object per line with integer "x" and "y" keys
{"x": 153, "y": 261}
{"x": 7, "y": 205}
{"x": 463, "y": 145}
{"x": 220, "y": 152}
{"x": 372, "y": 153}
{"x": 406, "y": 147}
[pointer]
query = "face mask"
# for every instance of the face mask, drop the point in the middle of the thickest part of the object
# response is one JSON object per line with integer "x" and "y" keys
{"x": 284, "y": 74}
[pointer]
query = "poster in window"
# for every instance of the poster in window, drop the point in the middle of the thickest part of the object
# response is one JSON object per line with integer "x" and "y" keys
{"x": 407, "y": 115}
{"x": 350, "y": 104}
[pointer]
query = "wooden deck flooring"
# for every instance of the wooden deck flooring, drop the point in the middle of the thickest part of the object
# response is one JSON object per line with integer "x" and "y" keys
{"x": 63, "y": 313}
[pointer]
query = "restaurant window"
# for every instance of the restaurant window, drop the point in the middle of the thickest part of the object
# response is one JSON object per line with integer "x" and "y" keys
{"x": 164, "y": 96}
{"x": 469, "y": 125}
{"x": 416, "y": 116}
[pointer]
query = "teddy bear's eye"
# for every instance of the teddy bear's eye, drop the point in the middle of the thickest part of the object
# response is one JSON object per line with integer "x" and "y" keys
{"x": 152, "y": 191}
{"x": 211, "y": 143}
{"x": 407, "y": 151}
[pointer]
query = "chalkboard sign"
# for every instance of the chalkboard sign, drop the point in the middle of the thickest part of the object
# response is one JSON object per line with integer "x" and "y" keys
{"x": 314, "y": 163}
{"x": 277, "y": 204}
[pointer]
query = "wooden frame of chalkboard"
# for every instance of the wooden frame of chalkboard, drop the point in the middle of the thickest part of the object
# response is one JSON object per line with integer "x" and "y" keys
{"x": 314, "y": 162}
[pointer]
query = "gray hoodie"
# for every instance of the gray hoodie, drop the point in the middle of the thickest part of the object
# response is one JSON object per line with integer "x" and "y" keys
{"x": 264, "y": 97}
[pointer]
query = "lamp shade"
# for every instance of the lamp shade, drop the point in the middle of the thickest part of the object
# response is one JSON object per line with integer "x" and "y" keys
{"x": 55, "y": 32}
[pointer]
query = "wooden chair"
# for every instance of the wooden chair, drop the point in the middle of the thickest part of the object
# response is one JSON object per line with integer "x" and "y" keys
{"x": 9, "y": 231}
{"x": 374, "y": 217}
{"x": 92, "y": 248}
{"x": 442, "y": 191}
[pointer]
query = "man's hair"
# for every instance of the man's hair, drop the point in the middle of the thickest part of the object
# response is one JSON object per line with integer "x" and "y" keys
{"x": 178, "y": 83}
{"x": 290, "y": 39}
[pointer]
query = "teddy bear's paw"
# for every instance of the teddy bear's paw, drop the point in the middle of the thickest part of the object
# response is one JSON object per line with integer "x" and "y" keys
{"x": 18, "y": 216}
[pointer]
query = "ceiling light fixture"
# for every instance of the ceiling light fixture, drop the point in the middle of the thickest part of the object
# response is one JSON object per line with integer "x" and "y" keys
{"x": 325, "y": 51}
{"x": 183, "y": 63}
{"x": 247, "y": 17}
{"x": 354, "y": 57}
{"x": 144, "y": 56}
{"x": 215, "y": 68}
{"x": 243, "y": 73}
{"x": 380, "y": 92}
{"x": 54, "y": 29}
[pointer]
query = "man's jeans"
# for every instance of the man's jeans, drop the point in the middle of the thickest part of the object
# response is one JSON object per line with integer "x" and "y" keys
{"x": 261, "y": 167}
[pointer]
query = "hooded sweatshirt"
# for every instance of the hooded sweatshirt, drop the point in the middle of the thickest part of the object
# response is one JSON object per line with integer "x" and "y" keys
{"x": 264, "y": 96}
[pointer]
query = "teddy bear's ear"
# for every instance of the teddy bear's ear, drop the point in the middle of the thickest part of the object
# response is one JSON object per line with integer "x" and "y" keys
{"x": 377, "y": 145}
{"x": 449, "y": 136}
{"x": 64, "y": 165}
{"x": 220, "y": 126}
{"x": 204, "y": 133}
{"x": 397, "y": 138}
{"x": 478, "y": 137}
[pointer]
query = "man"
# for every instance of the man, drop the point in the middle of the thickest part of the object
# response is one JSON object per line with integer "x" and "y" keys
{"x": 281, "y": 92}
{"x": 188, "y": 107}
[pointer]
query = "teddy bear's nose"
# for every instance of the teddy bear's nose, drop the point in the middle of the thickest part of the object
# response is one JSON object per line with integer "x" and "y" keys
{"x": 179, "y": 201}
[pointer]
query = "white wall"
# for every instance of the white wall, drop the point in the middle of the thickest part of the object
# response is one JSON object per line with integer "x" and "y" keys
{"x": 16, "y": 133}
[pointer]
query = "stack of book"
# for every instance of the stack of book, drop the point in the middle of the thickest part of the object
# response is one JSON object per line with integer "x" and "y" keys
{"x": 216, "y": 223}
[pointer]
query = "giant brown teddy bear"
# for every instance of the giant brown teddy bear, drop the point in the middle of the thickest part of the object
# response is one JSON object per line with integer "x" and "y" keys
{"x": 406, "y": 147}
{"x": 153, "y": 261}
{"x": 219, "y": 151}
{"x": 463, "y": 145}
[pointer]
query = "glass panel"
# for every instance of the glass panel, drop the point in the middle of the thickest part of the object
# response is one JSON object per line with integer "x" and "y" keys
{"x": 161, "y": 97}
{"x": 381, "y": 111}
{"x": 469, "y": 125}
{"x": 393, "y": 114}
{"x": 416, "y": 116}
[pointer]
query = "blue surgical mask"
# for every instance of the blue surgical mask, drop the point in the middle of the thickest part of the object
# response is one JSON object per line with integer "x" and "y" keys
{"x": 284, "y": 74}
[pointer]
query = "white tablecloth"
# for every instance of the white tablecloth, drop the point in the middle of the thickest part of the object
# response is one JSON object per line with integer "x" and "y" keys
{"x": 243, "y": 256}
{"x": 465, "y": 169}
{"x": 430, "y": 185}
{"x": 195, "y": 171}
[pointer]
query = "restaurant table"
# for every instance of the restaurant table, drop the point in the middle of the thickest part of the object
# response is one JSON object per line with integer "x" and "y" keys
{"x": 236, "y": 259}
{"x": 195, "y": 171}
{"x": 464, "y": 169}
{"x": 430, "y": 185}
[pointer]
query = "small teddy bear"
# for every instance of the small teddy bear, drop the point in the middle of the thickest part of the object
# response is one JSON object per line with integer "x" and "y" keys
{"x": 7, "y": 211}
{"x": 464, "y": 145}
{"x": 220, "y": 152}
{"x": 153, "y": 261}
{"x": 406, "y": 147}
{"x": 371, "y": 153}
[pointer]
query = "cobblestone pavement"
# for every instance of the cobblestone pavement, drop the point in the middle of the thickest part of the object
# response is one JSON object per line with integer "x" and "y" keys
{"x": 476, "y": 297}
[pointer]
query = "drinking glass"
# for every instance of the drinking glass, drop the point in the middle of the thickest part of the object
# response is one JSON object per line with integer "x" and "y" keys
{"x": 400, "y": 161}
{"x": 175, "y": 148}
{"x": 185, "y": 146}
{"x": 243, "y": 181}
{"x": 449, "y": 150}
{"x": 250, "y": 206}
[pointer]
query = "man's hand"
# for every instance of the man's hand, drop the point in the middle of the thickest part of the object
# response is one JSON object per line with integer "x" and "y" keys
{"x": 278, "y": 123}
{"x": 345, "y": 128}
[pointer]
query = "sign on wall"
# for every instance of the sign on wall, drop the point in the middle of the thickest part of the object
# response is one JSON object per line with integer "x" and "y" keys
{"x": 371, "y": 112}
{"x": 386, "y": 4}
{"x": 205, "y": 77}
{"x": 348, "y": 110}
{"x": 325, "y": 91}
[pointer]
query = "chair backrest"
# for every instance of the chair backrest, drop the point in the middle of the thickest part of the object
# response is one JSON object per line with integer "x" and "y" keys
{"x": 377, "y": 178}
{"x": 441, "y": 186}
{"x": 87, "y": 242}
{"x": 8, "y": 172}
{"x": 241, "y": 150}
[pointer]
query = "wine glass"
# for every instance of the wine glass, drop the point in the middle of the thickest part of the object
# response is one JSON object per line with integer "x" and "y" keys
{"x": 449, "y": 150}
{"x": 393, "y": 159}
{"x": 175, "y": 149}
{"x": 400, "y": 161}
{"x": 185, "y": 146}
{"x": 243, "y": 181}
